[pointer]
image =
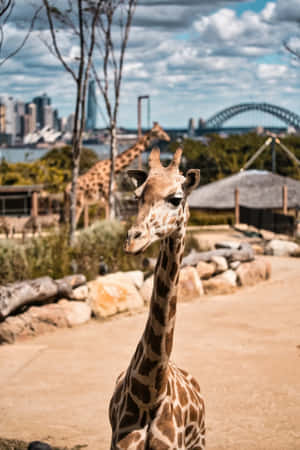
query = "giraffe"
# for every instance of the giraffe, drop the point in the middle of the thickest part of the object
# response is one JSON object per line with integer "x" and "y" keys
{"x": 93, "y": 186}
{"x": 156, "y": 405}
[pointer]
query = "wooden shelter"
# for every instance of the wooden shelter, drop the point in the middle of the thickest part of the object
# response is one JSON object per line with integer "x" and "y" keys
{"x": 19, "y": 200}
{"x": 256, "y": 189}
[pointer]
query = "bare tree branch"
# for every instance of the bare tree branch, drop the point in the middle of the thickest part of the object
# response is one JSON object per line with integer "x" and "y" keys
{"x": 109, "y": 76}
{"x": 290, "y": 50}
{"x": 84, "y": 29}
{"x": 54, "y": 41}
{"x": 8, "y": 10}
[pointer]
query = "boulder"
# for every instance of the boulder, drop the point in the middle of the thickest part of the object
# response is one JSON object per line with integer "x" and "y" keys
{"x": 112, "y": 294}
{"x": 205, "y": 269}
{"x": 296, "y": 253}
{"x": 220, "y": 264}
{"x": 76, "y": 312}
{"x": 258, "y": 249}
{"x": 134, "y": 276}
{"x": 137, "y": 277}
{"x": 80, "y": 293}
{"x": 41, "y": 319}
{"x": 278, "y": 247}
{"x": 146, "y": 289}
{"x": 229, "y": 276}
{"x": 224, "y": 283}
{"x": 234, "y": 265}
{"x": 190, "y": 286}
{"x": 248, "y": 274}
{"x": 234, "y": 245}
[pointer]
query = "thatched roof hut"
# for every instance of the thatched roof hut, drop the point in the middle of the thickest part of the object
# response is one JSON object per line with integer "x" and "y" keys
{"x": 257, "y": 189}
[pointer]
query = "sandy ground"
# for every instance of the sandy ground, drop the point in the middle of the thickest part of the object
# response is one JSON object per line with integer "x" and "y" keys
{"x": 244, "y": 349}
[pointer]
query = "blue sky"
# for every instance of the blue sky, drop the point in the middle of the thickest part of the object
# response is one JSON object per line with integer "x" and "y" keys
{"x": 193, "y": 57}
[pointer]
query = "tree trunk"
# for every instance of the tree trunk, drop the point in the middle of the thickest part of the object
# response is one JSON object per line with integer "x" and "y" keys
{"x": 41, "y": 290}
{"x": 113, "y": 155}
{"x": 73, "y": 197}
{"x": 244, "y": 253}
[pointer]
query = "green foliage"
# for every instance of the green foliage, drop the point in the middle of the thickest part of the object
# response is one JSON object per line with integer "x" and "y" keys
{"x": 222, "y": 157}
{"x": 51, "y": 255}
{"x": 13, "y": 262}
{"x": 202, "y": 218}
{"x": 53, "y": 169}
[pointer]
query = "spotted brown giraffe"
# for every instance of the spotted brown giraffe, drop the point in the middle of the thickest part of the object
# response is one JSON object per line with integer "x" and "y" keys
{"x": 155, "y": 404}
{"x": 93, "y": 186}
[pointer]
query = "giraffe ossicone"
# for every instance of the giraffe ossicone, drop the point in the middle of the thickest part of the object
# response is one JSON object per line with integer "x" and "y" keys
{"x": 155, "y": 404}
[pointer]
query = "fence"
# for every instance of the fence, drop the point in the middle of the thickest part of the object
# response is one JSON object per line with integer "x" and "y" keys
{"x": 268, "y": 220}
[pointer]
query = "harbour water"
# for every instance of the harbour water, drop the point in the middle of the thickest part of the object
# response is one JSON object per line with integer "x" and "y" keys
{"x": 25, "y": 154}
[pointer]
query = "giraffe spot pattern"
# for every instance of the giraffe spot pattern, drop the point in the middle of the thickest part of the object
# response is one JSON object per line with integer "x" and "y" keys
{"x": 162, "y": 288}
{"x": 159, "y": 378}
{"x": 159, "y": 314}
{"x": 169, "y": 342}
{"x": 165, "y": 261}
{"x": 172, "y": 307}
{"x": 146, "y": 366}
{"x": 155, "y": 340}
{"x": 140, "y": 390}
{"x": 173, "y": 270}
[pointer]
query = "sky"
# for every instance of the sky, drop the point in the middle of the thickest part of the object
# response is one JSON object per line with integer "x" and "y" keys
{"x": 192, "y": 57}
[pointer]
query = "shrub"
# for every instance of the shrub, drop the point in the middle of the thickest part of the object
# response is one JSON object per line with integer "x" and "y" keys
{"x": 51, "y": 255}
{"x": 13, "y": 262}
{"x": 211, "y": 218}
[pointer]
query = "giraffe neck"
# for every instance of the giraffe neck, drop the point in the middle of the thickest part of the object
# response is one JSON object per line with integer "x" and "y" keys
{"x": 150, "y": 362}
{"x": 125, "y": 158}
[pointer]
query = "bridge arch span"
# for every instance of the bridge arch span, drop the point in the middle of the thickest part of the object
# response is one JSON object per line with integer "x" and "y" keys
{"x": 288, "y": 117}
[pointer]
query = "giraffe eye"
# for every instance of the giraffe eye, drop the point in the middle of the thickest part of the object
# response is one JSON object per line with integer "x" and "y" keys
{"x": 175, "y": 201}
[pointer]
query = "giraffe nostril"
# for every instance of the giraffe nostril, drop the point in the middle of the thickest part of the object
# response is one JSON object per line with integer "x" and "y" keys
{"x": 137, "y": 235}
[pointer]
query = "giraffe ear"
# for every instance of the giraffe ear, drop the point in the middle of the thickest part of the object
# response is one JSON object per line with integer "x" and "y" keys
{"x": 138, "y": 176}
{"x": 192, "y": 179}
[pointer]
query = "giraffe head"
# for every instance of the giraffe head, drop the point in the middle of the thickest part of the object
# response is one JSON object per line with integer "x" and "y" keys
{"x": 158, "y": 134}
{"x": 162, "y": 206}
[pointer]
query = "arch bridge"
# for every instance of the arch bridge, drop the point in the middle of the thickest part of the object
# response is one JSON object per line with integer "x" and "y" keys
{"x": 288, "y": 117}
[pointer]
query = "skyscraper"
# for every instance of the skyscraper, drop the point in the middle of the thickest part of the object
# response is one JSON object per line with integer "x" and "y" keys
{"x": 2, "y": 118}
{"x": 90, "y": 123}
{"x": 20, "y": 113}
{"x": 30, "y": 110}
{"x": 40, "y": 103}
{"x": 48, "y": 116}
{"x": 10, "y": 117}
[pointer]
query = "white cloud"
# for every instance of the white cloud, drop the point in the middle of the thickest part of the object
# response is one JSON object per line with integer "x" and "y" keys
{"x": 271, "y": 71}
{"x": 197, "y": 55}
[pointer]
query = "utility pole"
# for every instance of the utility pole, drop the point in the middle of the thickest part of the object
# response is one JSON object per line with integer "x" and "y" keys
{"x": 139, "y": 120}
{"x": 273, "y": 155}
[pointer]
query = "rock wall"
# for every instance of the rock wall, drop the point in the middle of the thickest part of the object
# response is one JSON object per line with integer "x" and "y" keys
{"x": 129, "y": 291}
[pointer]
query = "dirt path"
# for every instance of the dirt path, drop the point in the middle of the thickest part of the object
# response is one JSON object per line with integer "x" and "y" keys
{"x": 244, "y": 349}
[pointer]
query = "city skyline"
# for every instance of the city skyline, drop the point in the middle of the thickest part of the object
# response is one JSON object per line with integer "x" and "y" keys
{"x": 193, "y": 60}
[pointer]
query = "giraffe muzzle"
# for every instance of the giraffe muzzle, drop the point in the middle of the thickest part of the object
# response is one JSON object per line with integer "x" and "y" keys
{"x": 136, "y": 241}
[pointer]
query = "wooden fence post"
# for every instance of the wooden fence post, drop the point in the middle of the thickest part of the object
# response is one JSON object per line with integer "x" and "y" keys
{"x": 34, "y": 205}
{"x": 237, "y": 205}
{"x": 86, "y": 216}
{"x": 285, "y": 199}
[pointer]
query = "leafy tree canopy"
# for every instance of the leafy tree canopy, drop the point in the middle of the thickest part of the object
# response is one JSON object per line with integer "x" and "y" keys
{"x": 221, "y": 157}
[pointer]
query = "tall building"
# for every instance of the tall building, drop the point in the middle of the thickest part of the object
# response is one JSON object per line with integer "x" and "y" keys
{"x": 191, "y": 127}
{"x": 20, "y": 113}
{"x": 30, "y": 118}
{"x": 10, "y": 117}
{"x": 90, "y": 123}
{"x": 48, "y": 116}
{"x": 2, "y": 118}
{"x": 56, "y": 121}
{"x": 70, "y": 123}
{"x": 40, "y": 103}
